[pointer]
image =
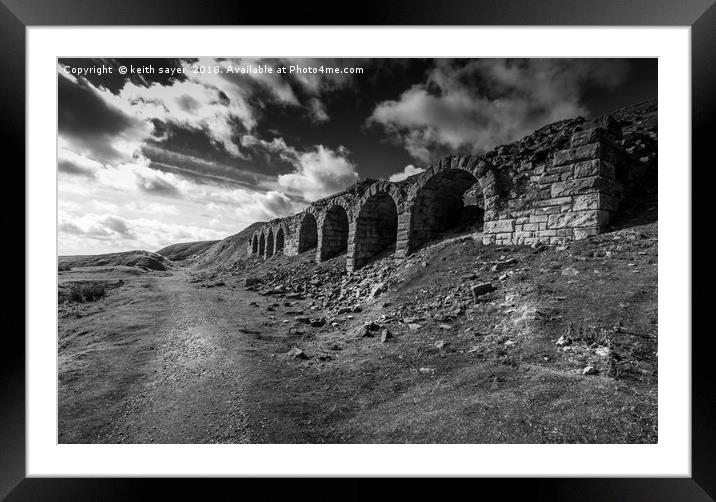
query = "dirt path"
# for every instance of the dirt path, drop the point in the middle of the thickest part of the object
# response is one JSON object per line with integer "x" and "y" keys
{"x": 189, "y": 371}
{"x": 193, "y": 391}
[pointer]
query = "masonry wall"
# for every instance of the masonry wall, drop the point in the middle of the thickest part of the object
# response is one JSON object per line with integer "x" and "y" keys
{"x": 556, "y": 185}
{"x": 570, "y": 196}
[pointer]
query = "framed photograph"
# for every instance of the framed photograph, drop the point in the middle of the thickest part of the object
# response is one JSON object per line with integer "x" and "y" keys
{"x": 428, "y": 243}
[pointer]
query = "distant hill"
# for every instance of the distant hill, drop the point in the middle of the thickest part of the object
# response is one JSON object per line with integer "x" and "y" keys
{"x": 185, "y": 250}
{"x": 225, "y": 252}
{"x": 141, "y": 259}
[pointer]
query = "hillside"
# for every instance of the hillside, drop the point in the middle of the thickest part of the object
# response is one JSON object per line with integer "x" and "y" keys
{"x": 224, "y": 252}
{"x": 185, "y": 250}
{"x": 554, "y": 344}
{"x": 141, "y": 259}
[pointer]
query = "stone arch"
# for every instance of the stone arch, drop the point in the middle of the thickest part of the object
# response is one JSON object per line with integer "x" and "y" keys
{"x": 335, "y": 227}
{"x": 307, "y": 231}
{"x": 458, "y": 191}
{"x": 280, "y": 240}
{"x": 375, "y": 227}
{"x": 262, "y": 244}
{"x": 254, "y": 244}
{"x": 269, "y": 243}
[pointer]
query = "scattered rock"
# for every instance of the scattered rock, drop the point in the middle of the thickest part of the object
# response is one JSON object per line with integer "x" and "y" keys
{"x": 414, "y": 326}
{"x": 317, "y": 322}
{"x": 563, "y": 341}
{"x": 297, "y": 353}
{"x": 589, "y": 370}
{"x": 377, "y": 289}
{"x": 570, "y": 271}
{"x": 480, "y": 289}
{"x": 385, "y": 335}
{"x": 440, "y": 344}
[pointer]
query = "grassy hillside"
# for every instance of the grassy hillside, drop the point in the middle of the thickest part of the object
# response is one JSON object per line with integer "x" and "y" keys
{"x": 185, "y": 250}
{"x": 225, "y": 252}
{"x": 141, "y": 259}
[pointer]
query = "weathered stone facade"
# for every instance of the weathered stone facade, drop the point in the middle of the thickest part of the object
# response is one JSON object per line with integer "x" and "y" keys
{"x": 557, "y": 185}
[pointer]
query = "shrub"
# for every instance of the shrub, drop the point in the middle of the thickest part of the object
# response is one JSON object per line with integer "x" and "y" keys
{"x": 87, "y": 292}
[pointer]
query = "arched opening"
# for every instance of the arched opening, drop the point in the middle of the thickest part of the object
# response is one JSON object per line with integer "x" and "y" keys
{"x": 335, "y": 232}
{"x": 376, "y": 228}
{"x": 307, "y": 233}
{"x": 280, "y": 239}
{"x": 262, "y": 244}
{"x": 254, "y": 244}
{"x": 269, "y": 243}
{"x": 450, "y": 202}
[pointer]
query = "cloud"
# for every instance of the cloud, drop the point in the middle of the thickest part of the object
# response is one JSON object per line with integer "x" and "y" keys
{"x": 318, "y": 172}
{"x": 318, "y": 111}
{"x": 107, "y": 233}
{"x": 223, "y": 105}
{"x": 158, "y": 186}
{"x": 76, "y": 165}
{"x": 408, "y": 171}
{"x": 96, "y": 226}
{"x": 480, "y": 104}
{"x": 95, "y": 127}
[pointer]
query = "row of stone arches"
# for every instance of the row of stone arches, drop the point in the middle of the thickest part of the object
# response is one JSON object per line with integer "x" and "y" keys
{"x": 392, "y": 218}
{"x": 267, "y": 243}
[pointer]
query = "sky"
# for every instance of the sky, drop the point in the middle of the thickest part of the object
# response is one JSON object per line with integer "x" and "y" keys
{"x": 190, "y": 149}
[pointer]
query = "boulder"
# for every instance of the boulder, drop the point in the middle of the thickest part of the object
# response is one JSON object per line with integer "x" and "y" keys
{"x": 480, "y": 289}
{"x": 297, "y": 353}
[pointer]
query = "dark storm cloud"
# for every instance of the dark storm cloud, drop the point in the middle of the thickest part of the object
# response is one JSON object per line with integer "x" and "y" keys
{"x": 475, "y": 105}
{"x": 89, "y": 123}
{"x": 71, "y": 168}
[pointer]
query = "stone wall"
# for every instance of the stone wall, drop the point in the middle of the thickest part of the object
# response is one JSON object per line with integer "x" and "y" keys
{"x": 570, "y": 196}
{"x": 559, "y": 184}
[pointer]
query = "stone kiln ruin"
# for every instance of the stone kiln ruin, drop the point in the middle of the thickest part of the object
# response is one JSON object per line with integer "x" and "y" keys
{"x": 556, "y": 185}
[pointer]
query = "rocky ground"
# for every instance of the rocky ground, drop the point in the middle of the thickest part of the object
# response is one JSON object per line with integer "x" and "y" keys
{"x": 458, "y": 343}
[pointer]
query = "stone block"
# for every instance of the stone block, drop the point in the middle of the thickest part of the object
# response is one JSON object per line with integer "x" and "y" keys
{"x": 592, "y": 217}
{"x": 583, "y": 233}
{"x": 587, "y": 201}
{"x": 538, "y": 218}
{"x": 558, "y": 201}
{"x": 499, "y": 226}
{"x": 576, "y": 187}
{"x": 549, "y": 210}
{"x": 572, "y": 155}
{"x": 592, "y": 135}
{"x": 596, "y": 167}
{"x": 595, "y": 201}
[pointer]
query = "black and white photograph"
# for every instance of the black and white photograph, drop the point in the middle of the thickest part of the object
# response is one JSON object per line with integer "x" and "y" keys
{"x": 381, "y": 250}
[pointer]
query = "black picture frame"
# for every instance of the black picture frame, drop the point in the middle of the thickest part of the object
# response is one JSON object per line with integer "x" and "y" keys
{"x": 700, "y": 15}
